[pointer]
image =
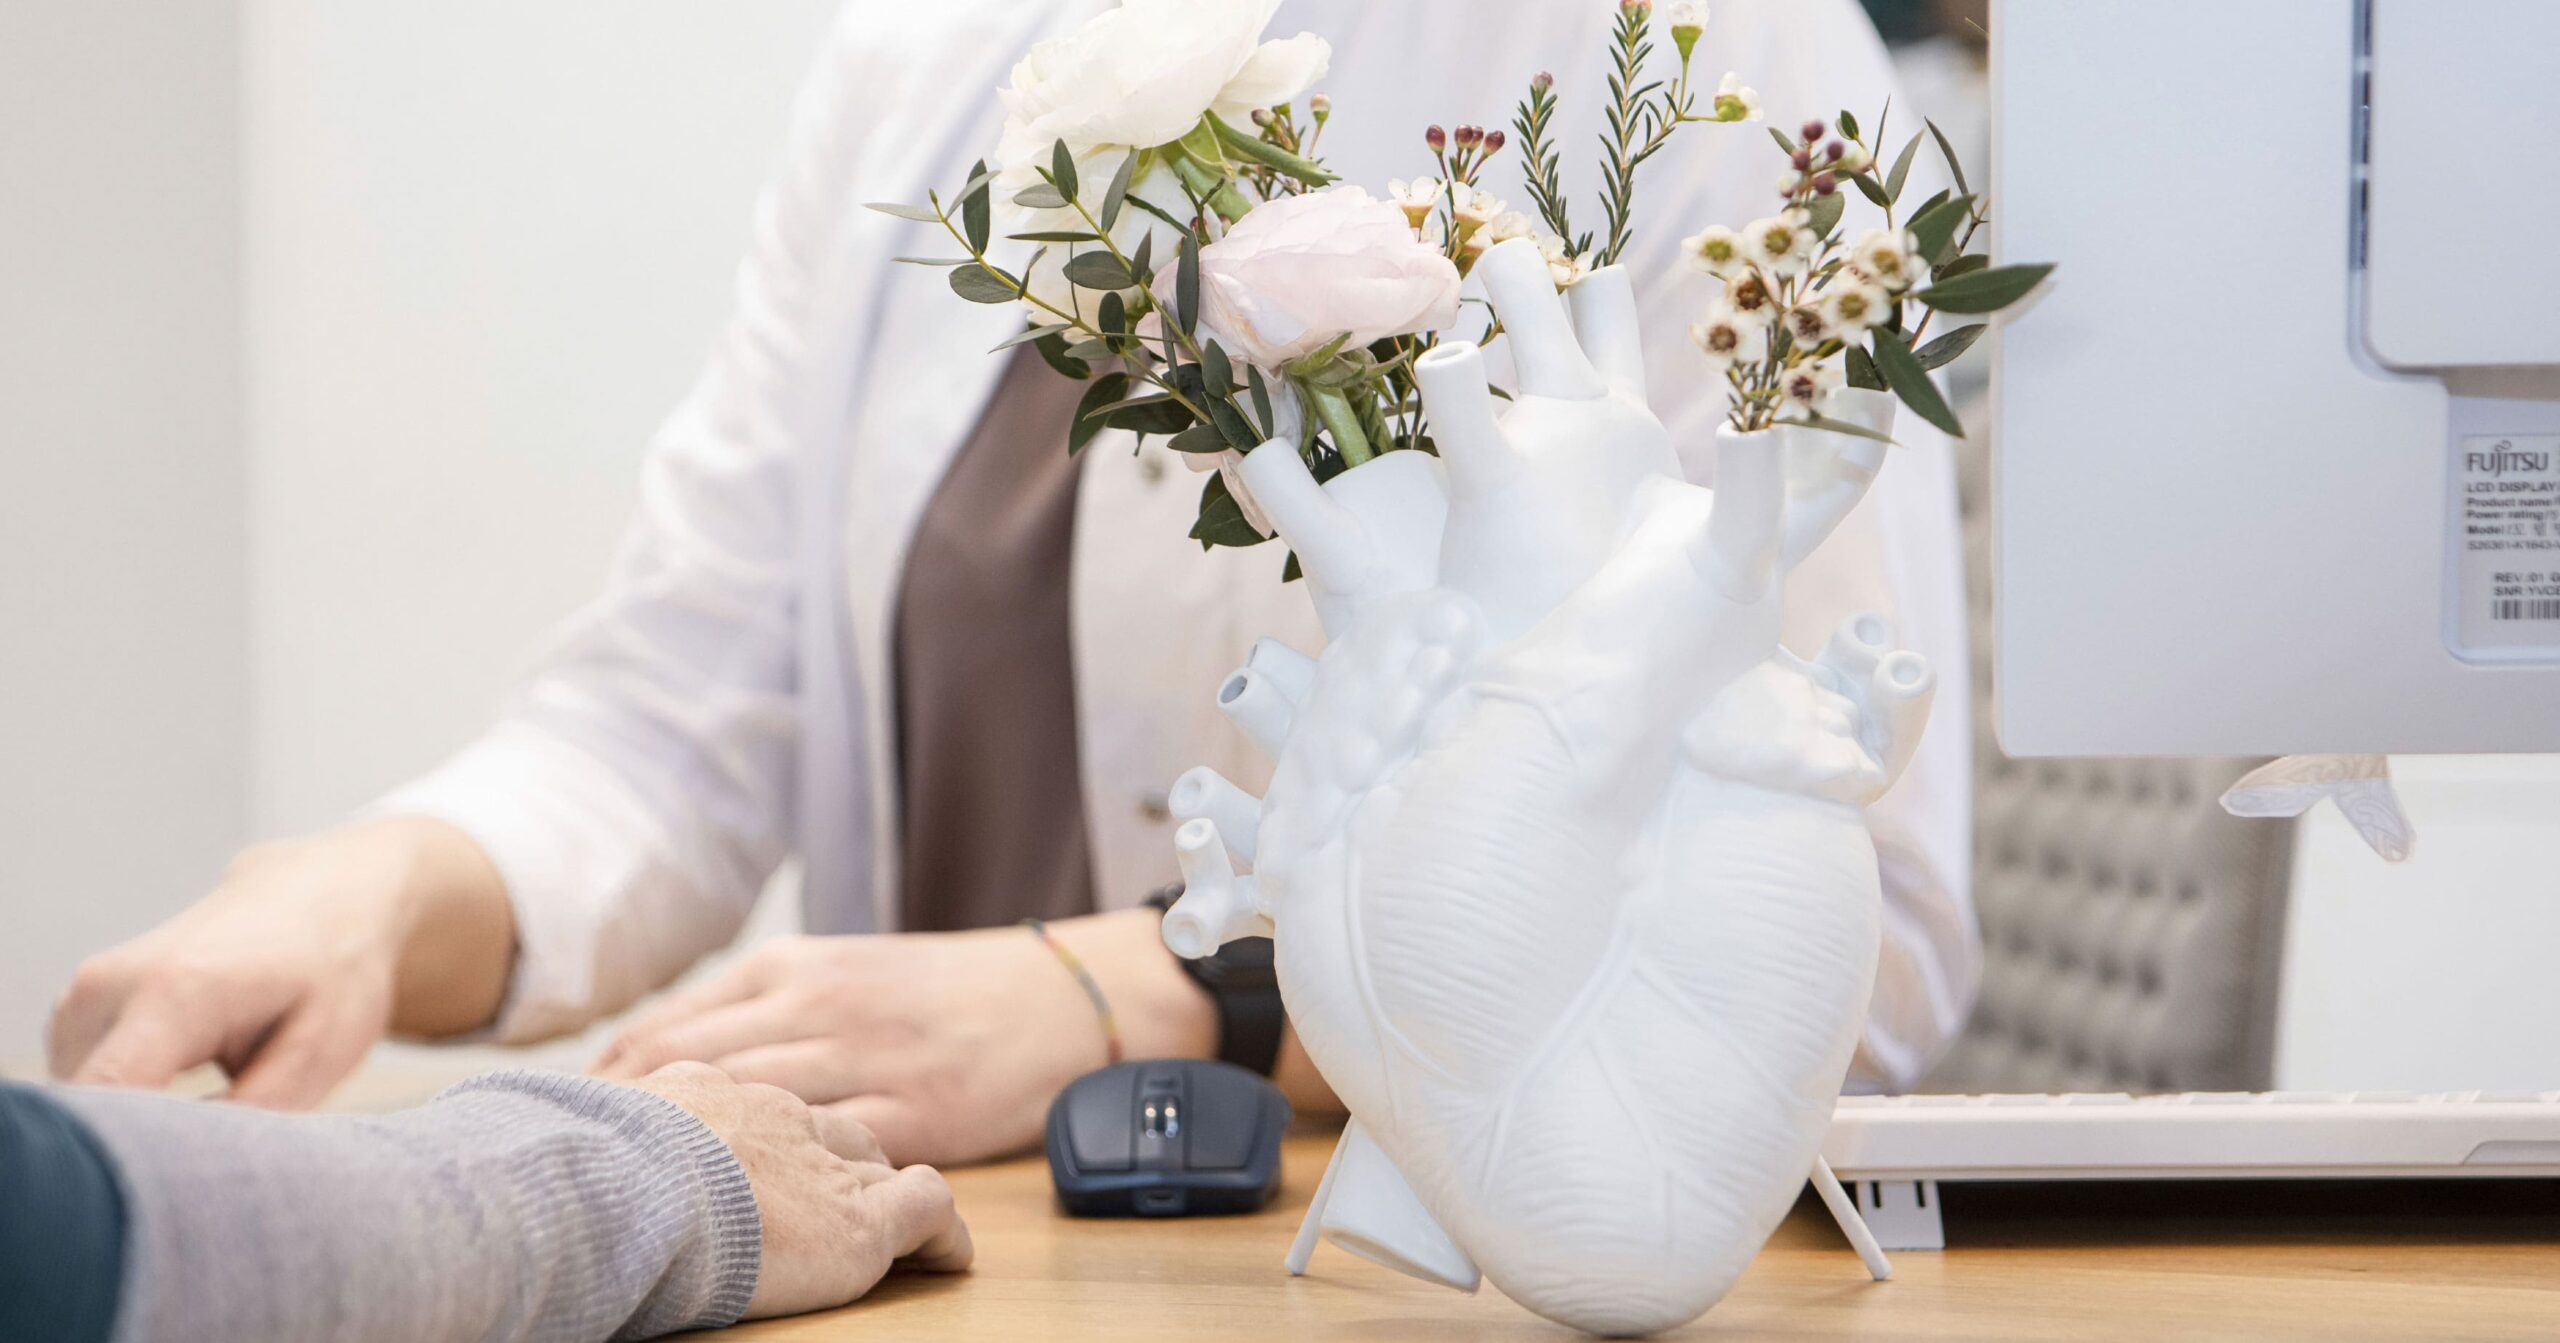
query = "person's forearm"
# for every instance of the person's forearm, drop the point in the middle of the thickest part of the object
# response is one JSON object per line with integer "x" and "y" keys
{"x": 459, "y": 944}
{"x": 518, "y": 1206}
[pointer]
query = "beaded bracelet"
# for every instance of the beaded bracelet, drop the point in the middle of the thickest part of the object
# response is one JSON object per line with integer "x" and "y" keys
{"x": 1084, "y": 980}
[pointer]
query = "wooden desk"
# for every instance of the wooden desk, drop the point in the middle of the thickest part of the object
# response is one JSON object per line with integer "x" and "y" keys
{"x": 2328, "y": 1267}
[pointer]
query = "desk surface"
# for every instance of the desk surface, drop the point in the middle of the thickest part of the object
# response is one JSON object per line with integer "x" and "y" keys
{"x": 2368, "y": 1264}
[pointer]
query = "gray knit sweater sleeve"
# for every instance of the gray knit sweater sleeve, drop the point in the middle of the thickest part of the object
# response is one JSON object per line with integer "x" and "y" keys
{"x": 518, "y": 1206}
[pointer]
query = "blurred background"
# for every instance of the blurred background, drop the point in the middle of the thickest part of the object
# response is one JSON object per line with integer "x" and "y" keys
{"x": 330, "y": 336}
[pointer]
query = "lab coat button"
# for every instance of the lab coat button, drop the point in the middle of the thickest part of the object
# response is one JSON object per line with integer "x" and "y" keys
{"x": 1155, "y": 806}
{"x": 1151, "y": 468}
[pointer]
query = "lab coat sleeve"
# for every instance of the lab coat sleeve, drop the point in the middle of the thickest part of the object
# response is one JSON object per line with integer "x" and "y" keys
{"x": 635, "y": 793}
{"x": 1899, "y": 554}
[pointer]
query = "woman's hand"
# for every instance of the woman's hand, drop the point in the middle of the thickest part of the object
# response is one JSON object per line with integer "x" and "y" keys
{"x": 949, "y": 1046}
{"x": 289, "y": 971}
{"x": 835, "y": 1215}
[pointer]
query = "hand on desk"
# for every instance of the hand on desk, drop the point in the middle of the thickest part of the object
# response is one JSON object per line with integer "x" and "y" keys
{"x": 835, "y": 1215}
{"x": 305, "y": 956}
{"x": 949, "y": 1046}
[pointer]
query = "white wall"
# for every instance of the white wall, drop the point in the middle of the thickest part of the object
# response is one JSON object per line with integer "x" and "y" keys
{"x": 489, "y": 244}
{"x": 486, "y": 246}
{"x": 123, "y": 697}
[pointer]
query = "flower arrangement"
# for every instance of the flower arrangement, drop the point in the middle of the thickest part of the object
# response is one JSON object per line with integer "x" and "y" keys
{"x": 1193, "y": 259}
{"x": 1804, "y": 311}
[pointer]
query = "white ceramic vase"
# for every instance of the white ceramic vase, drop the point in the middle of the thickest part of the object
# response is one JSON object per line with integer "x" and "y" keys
{"x": 1572, "y": 897}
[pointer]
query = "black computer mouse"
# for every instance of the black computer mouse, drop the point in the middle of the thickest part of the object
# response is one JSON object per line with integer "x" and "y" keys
{"x": 1166, "y": 1138}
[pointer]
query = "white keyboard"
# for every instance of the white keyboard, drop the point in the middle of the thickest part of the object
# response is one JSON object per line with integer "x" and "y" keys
{"x": 1891, "y": 1150}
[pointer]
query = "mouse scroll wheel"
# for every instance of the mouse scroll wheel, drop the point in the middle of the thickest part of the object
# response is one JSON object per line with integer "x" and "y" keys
{"x": 1161, "y": 1117}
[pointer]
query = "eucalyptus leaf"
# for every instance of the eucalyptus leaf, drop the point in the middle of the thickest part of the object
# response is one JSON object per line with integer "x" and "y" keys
{"x": 1948, "y": 151}
{"x": 1901, "y": 173}
{"x": 1113, "y": 317}
{"x": 1029, "y": 334}
{"x": 1222, "y": 521}
{"x": 1903, "y": 373}
{"x": 1950, "y": 347}
{"x": 1040, "y": 196}
{"x": 1055, "y": 235}
{"x": 1987, "y": 290}
{"x": 1935, "y": 227}
{"x": 1053, "y": 352}
{"x": 1963, "y": 265}
{"x": 1239, "y": 435}
{"x": 1151, "y": 415}
{"x": 933, "y": 260}
{"x": 1866, "y": 184}
{"x": 1290, "y": 572}
{"x": 1097, "y": 270}
{"x": 917, "y": 213}
{"x": 1142, "y": 261}
{"x": 984, "y": 284}
{"x": 1214, "y": 367}
{"x": 1783, "y": 142}
{"x": 1812, "y": 420}
{"x": 1199, "y": 438}
{"x": 1186, "y": 285}
{"x": 1062, "y": 169}
{"x": 1105, "y": 390}
{"x": 1861, "y": 370}
{"x": 1824, "y": 214}
{"x": 1119, "y": 192}
{"x": 1091, "y": 350}
{"x": 973, "y": 207}
{"x": 1261, "y": 399}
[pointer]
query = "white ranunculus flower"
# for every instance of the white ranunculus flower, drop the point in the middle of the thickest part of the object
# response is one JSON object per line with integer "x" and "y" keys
{"x": 1141, "y": 75}
{"x": 1297, "y": 272}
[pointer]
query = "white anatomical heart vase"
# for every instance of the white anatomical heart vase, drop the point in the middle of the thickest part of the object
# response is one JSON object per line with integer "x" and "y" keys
{"x": 1564, "y": 860}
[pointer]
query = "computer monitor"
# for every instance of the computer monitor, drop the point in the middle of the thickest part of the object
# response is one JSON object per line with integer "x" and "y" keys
{"x": 2276, "y": 458}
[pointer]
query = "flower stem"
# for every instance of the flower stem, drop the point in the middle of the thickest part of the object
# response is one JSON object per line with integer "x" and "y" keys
{"x": 1340, "y": 420}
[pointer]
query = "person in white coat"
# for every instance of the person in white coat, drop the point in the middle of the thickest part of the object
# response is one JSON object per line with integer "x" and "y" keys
{"x": 787, "y": 659}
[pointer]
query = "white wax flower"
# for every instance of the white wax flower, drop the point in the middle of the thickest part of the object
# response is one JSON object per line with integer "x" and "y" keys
{"x": 1853, "y": 303}
{"x": 1807, "y": 384}
{"x": 1416, "y": 198}
{"x": 1807, "y": 324}
{"x": 1297, "y": 272}
{"x": 1142, "y": 75}
{"x": 1567, "y": 269}
{"x": 1512, "y": 224}
{"x": 1888, "y": 257}
{"x": 1728, "y": 339}
{"x": 1748, "y": 296}
{"x": 1685, "y": 14}
{"x": 1781, "y": 244}
{"x": 1717, "y": 250}
{"x": 1734, "y": 102}
{"x": 1476, "y": 207}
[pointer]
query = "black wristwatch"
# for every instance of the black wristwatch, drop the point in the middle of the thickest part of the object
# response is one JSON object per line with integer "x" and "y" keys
{"x": 1241, "y": 982}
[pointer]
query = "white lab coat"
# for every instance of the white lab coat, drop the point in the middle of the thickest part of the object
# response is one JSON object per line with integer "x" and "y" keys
{"x": 724, "y": 704}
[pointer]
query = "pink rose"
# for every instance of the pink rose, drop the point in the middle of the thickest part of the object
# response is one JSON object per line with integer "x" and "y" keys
{"x": 1298, "y": 271}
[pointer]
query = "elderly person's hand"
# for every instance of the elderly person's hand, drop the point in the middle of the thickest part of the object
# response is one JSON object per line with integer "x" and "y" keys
{"x": 949, "y": 1046}
{"x": 836, "y": 1216}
